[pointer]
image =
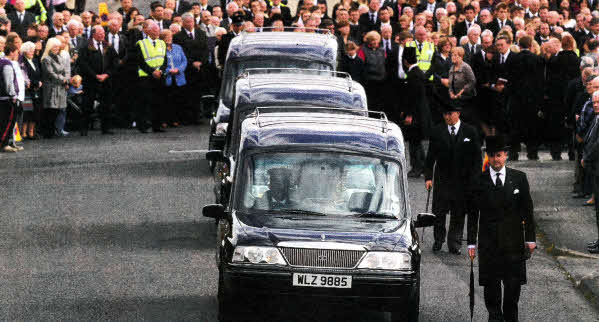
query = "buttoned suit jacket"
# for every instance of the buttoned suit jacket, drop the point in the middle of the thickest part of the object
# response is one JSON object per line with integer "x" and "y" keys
{"x": 18, "y": 26}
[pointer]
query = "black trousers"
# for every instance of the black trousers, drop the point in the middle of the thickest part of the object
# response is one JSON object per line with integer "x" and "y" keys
{"x": 416, "y": 151}
{"x": 596, "y": 193}
{"x": 493, "y": 299}
{"x": 456, "y": 223}
{"x": 7, "y": 121}
{"x": 102, "y": 94}
{"x": 150, "y": 103}
{"x": 48, "y": 118}
{"x": 375, "y": 94}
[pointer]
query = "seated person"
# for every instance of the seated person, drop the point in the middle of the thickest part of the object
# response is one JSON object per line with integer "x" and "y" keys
{"x": 277, "y": 197}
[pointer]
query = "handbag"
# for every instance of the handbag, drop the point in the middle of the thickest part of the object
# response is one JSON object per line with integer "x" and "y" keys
{"x": 28, "y": 104}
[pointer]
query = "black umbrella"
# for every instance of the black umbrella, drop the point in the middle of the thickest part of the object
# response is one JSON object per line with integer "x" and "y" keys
{"x": 471, "y": 287}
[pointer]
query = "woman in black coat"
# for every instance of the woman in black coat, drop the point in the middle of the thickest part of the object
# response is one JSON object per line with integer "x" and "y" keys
{"x": 33, "y": 104}
{"x": 440, "y": 65}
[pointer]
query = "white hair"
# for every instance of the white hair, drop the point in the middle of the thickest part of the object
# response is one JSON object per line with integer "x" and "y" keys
{"x": 74, "y": 23}
{"x": 386, "y": 27}
{"x": 473, "y": 28}
{"x": 463, "y": 40}
{"x": 518, "y": 19}
{"x": 486, "y": 33}
{"x": 27, "y": 47}
{"x": 440, "y": 10}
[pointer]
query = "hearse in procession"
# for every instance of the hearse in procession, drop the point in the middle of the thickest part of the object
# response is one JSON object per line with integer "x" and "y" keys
{"x": 318, "y": 212}
{"x": 288, "y": 88}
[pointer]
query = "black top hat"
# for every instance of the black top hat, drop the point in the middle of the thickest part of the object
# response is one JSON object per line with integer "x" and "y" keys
{"x": 409, "y": 54}
{"x": 496, "y": 144}
{"x": 451, "y": 106}
{"x": 237, "y": 18}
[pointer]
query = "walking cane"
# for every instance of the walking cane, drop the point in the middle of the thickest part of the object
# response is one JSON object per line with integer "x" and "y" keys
{"x": 471, "y": 294}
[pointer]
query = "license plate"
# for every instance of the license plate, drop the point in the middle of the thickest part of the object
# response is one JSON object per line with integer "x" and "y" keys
{"x": 320, "y": 280}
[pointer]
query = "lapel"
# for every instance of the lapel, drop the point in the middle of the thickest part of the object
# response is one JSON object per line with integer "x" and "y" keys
{"x": 460, "y": 134}
{"x": 508, "y": 186}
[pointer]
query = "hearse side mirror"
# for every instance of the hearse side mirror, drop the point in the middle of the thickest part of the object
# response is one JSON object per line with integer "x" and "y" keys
{"x": 215, "y": 156}
{"x": 424, "y": 220}
{"x": 216, "y": 211}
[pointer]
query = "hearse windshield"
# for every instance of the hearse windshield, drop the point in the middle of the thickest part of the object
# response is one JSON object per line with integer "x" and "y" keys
{"x": 236, "y": 67}
{"x": 324, "y": 184}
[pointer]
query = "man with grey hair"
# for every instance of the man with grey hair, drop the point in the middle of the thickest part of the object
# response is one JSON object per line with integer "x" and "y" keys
{"x": 76, "y": 41}
{"x": 195, "y": 45}
{"x": 205, "y": 24}
{"x": 439, "y": 13}
{"x": 58, "y": 25}
{"x": 473, "y": 46}
{"x": 231, "y": 8}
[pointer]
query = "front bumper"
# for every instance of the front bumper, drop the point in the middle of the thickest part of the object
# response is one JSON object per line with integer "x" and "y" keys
{"x": 370, "y": 289}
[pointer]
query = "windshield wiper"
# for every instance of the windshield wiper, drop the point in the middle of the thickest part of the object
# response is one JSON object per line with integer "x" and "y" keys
{"x": 372, "y": 214}
{"x": 301, "y": 212}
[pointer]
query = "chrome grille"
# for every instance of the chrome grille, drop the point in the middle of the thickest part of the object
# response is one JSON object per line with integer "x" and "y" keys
{"x": 331, "y": 258}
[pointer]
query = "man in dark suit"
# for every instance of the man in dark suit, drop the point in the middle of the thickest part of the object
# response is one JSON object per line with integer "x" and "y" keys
{"x": 370, "y": 20}
{"x": 590, "y": 160}
{"x": 415, "y": 114}
{"x": 181, "y": 7}
{"x": 58, "y": 25}
{"x": 387, "y": 42}
{"x": 472, "y": 47}
{"x": 396, "y": 75}
{"x": 385, "y": 18}
{"x": 76, "y": 42}
{"x": 236, "y": 28}
{"x": 20, "y": 19}
{"x": 453, "y": 159}
{"x": 430, "y": 5}
{"x": 97, "y": 62}
{"x": 461, "y": 28}
{"x": 506, "y": 68}
{"x": 526, "y": 101}
{"x": 157, "y": 14}
{"x": 121, "y": 80}
{"x": 194, "y": 43}
{"x": 284, "y": 11}
{"x": 505, "y": 226}
{"x": 501, "y": 19}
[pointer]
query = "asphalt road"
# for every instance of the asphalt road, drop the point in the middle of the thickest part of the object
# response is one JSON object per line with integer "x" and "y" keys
{"x": 109, "y": 228}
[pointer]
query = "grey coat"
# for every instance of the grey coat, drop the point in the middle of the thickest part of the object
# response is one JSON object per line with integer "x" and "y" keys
{"x": 462, "y": 78}
{"x": 55, "y": 71}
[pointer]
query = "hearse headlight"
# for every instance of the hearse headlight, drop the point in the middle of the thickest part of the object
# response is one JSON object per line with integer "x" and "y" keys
{"x": 386, "y": 260}
{"x": 258, "y": 255}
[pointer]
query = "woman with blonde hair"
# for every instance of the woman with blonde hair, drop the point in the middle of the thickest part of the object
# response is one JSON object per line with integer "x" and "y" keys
{"x": 55, "y": 78}
{"x": 446, "y": 27}
{"x": 374, "y": 66}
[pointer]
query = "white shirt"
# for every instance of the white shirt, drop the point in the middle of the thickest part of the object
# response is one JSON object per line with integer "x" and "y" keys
{"x": 115, "y": 41}
{"x": 20, "y": 80}
{"x": 456, "y": 127}
{"x": 504, "y": 56}
{"x": 494, "y": 173}
{"x": 98, "y": 45}
{"x": 400, "y": 72}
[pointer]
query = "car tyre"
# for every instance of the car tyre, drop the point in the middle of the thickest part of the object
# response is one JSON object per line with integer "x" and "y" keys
{"x": 412, "y": 308}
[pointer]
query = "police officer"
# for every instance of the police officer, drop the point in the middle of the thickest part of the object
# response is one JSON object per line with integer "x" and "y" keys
{"x": 506, "y": 231}
{"x": 454, "y": 158}
{"x": 150, "y": 57}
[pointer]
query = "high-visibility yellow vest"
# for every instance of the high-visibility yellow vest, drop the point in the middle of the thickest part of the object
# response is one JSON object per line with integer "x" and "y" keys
{"x": 154, "y": 56}
{"x": 425, "y": 57}
{"x": 42, "y": 16}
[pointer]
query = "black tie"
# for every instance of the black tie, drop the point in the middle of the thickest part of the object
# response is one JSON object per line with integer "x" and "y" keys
{"x": 419, "y": 47}
{"x": 372, "y": 18}
{"x": 453, "y": 136}
{"x": 498, "y": 182}
{"x": 154, "y": 43}
{"x": 502, "y": 59}
{"x": 471, "y": 50}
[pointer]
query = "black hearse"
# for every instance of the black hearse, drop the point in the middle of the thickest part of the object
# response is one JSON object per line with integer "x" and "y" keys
{"x": 319, "y": 211}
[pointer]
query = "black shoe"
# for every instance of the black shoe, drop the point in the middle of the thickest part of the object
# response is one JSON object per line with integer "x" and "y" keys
{"x": 83, "y": 133}
{"x": 533, "y": 156}
{"x": 107, "y": 132}
{"x": 142, "y": 130}
{"x": 593, "y": 250}
{"x": 593, "y": 244}
{"x": 580, "y": 196}
{"x": 158, "y": 130}
{"x": 556, "y": 157}
{"x": 455, "y": 251}
{"x": 571, "y": 157}
{"x": 437, "y": 246}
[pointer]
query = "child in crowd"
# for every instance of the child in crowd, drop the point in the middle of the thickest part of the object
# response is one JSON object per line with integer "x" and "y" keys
{"x": 351, "y": 63}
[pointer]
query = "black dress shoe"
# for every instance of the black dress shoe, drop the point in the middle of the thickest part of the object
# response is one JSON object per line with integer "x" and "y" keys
{"x": 455, "y": 251}
{"x": 533, "y": 156}
{"x": 593, "y": 244}
{"x": 437, "y": 246}
{"x": 593, "y": 250}
{"x": 83, "y": 133}
{"x": 556, "y": 157}
{"x": 142, "y": 130}
{"x": 107, "y": 132}
{"x": 158, "y": 130}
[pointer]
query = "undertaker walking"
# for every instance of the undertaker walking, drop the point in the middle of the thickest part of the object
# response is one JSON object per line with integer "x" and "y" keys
{"x": 506, "y": 231}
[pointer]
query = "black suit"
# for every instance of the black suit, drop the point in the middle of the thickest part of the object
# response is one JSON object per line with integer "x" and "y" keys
{"x": 223, "y": 48}
{"x": 469, "y": 54}
{"x": 415, "y": 104}
{"x": 367, "y": 25}
{"x": 34, "y": 91}
{"x": 501, "y": 211}
{"x": 91, "y": 63}
{"x": 454, "y": 161}
{"x": 424, "y": 4}
{"x": 391, "y": 45}
{"x": 461, "y": 29}
{"x": 508, "y": 71}
{"x": 440, "y": 94}
{"x": 184, "y": 7}
{"x": 53, "y": 33}
{"x": 18, "y": 26}
{"x": 495, "y": 27}
{"x": 196, "y": 50}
